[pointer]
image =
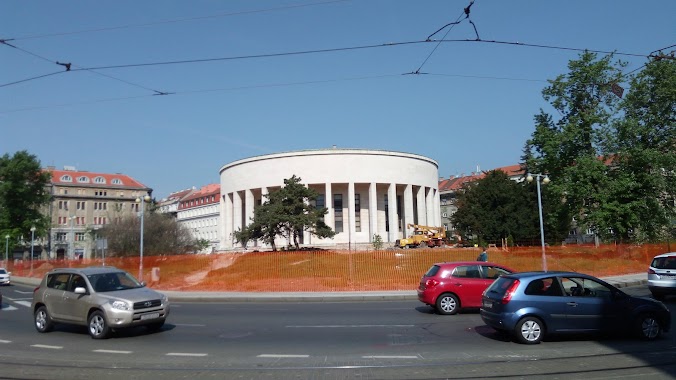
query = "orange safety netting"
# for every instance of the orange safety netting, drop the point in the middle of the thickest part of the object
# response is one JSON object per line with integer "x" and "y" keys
{"x": 400, "y": 269}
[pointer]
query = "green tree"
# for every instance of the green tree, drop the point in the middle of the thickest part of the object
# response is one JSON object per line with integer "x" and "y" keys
{"x": 643, "y": 142}
{"x": 24, "y": 196}
{"x": 570, "y": 148}
{"x": 162, "y": 235}
{"x": 287, "y": 212}
{"x": 496, "y": 207}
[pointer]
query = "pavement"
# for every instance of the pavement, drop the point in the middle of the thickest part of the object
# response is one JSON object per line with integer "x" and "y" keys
{"x": 177, "y": 296}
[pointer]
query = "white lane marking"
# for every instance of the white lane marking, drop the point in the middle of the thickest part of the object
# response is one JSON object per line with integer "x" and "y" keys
{"x": 282, "y": 356}
{"x": 5, "y": 341}
{"x": 391, "y": 357}
{"x": 46, "y": 346}
{"x": 189, "y": 325}
{"x": 346, "y": 326}
{"x": 8, "y": 308}
{"x": 24, "y": 303}
{"x": 23, "y": 292}
{"x": 185, "y": 354}
{"x": 113, "y": 352}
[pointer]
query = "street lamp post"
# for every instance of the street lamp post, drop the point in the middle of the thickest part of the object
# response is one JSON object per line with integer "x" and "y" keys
{"x": 32, "y": 244}
{"x": 545, "y": 181}
{"x": 72, "y": 238}
{"x": 142, "y": 201}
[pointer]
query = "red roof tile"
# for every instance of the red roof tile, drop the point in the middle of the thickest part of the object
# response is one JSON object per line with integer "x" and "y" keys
{"x": 93, "y": 179}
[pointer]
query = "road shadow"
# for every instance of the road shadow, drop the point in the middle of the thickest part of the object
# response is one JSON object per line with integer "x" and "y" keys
{"x": 126, "y": 333}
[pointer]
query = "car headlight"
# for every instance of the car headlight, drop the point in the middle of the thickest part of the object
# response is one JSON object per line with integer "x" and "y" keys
{"x": 120, "y": 305}
{"x": 165, "y": 299}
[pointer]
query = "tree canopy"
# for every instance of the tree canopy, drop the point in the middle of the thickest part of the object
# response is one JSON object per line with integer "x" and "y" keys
{"x": 24, "y": 196}
{"x": 162, "y": 235}
{"x": 496, "y": 207}
{"x": 611, "y": 161}
{"x": 286, "y": 212}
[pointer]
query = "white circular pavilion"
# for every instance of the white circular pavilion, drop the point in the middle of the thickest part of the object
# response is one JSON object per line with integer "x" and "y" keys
{"x": 367, "y": 193}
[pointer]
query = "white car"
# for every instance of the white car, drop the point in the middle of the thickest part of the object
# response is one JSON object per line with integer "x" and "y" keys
{"x": 662, "y": 275}
{"x": 4, "y": 277}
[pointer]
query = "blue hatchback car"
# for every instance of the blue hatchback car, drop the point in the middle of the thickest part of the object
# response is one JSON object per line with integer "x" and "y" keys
{"x": 531, "y": 305}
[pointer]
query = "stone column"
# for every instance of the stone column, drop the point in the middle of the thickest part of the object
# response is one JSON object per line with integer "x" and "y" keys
{"x": 227, "y": 220}
{"x": 236, "y": 213}
{"x": 248, "y": 207}
{"x": 328, "y": 202}
{"x": 307, "y": 236}
{"x": 393, "y": 214}
{"x": 373, "y": 211}
{"x": 351, "y": 225}
{"x": 408, "y": 209}
{"x": 422, "y": 210}
{"x": 429, "y": 206}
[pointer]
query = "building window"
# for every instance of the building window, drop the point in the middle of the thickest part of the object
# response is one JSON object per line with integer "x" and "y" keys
{"x": 116, "y": 181}
{"x": 63, "y": 205}
{"x": 80, "y": 236}
{"x": 66, "y": 178}
{"x": 80, "y": 205}
{"x": 60, "y": 236}
{"x": 319, "y": 202}
{"x": 83, "y": 179}
{"x": 357, "y": 212}
{"x": 338, "y": 212}
{"x": 99, "y": 180}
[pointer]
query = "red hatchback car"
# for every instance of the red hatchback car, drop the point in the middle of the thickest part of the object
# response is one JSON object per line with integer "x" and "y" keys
{"x": 448, "y": 287}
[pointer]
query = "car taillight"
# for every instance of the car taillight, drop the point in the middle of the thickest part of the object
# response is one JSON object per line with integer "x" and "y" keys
{"x": 36, "y": 289}
{"x": 430, "y": 283}
{"x": 510, "y": 292}
{"x": 651, "y": 271}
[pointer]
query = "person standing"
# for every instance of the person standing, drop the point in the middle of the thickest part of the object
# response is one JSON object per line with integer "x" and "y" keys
{"x": 483, "y": 256}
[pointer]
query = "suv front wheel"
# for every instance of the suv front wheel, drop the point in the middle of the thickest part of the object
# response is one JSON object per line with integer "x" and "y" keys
{"x": 43, "y": 322}
{"x": 97, "y": 325}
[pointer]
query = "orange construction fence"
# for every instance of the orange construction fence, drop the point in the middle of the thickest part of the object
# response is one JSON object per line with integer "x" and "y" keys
{"x": 399, "y": 269}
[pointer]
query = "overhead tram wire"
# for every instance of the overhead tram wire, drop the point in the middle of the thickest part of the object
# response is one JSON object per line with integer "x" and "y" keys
{"x": 452, "y": 25}
{"x": 330, "y": 50}
{"x": 653, "y": 56}
{"x": 68, "y": 67}
{"x": 318, "y": 51}
{"x": 261, "y": 86}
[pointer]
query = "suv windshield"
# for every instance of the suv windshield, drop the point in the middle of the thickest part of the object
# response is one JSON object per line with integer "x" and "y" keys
{"x": 2, "y": 271}
{"x": 668, "y": 262}
{"x": 110, "y": 282}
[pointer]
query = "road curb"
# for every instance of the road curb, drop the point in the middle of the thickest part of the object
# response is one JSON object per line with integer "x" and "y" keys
{"x": 636, "y": 279}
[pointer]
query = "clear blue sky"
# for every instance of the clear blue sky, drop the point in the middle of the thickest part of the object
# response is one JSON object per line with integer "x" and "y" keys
{"x": 474, "y": 106}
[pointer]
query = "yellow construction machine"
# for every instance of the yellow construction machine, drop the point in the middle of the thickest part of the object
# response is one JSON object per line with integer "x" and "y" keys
{"x": 423, "y": 236}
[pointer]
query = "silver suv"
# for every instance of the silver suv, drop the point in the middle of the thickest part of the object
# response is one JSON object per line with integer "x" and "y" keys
{"x": 662, "y": 275}
{"x": 101, "y": 298}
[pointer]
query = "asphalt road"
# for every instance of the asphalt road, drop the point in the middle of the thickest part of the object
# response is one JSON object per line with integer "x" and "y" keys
{"x": 341, "y": 340}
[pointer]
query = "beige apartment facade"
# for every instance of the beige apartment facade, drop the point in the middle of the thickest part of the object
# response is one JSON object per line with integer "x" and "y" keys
{"x": 83, "y": 202}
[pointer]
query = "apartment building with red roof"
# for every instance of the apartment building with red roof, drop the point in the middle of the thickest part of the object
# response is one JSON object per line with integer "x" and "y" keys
{"x": 199, "y": 211}
{"x": 81, "y": 203}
